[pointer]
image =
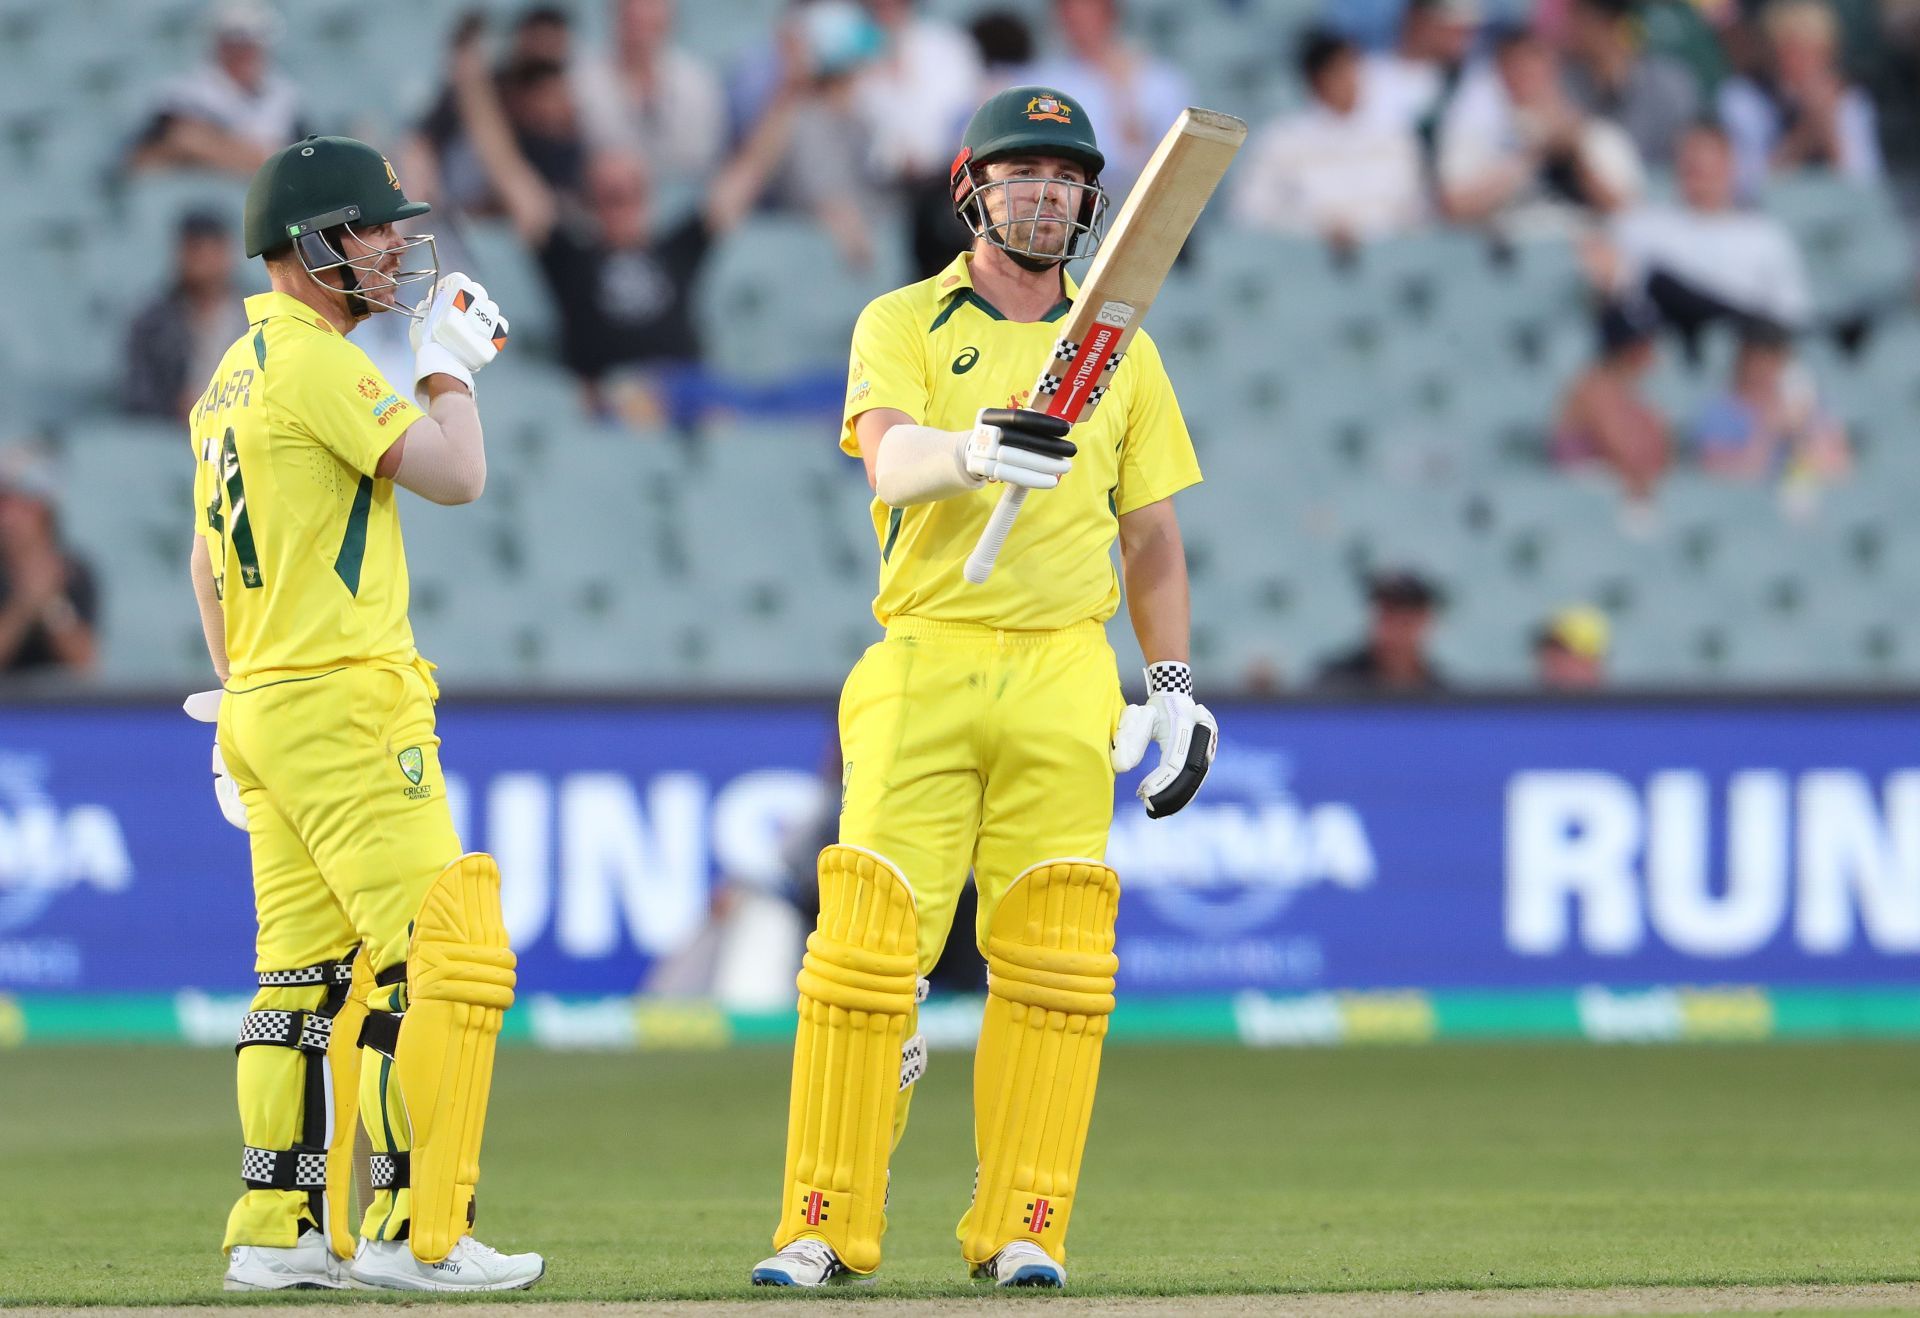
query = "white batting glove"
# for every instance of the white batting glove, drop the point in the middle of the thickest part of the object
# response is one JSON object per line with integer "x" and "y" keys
{"x": 1019, "y": 447}
{"x": 462, "y": 331}
{"x": 1184, "y": 730}
{"x": 204, "y": 707}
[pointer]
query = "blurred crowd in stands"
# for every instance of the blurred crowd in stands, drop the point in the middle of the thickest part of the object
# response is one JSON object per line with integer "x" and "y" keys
{"x": 1645, "y": 132}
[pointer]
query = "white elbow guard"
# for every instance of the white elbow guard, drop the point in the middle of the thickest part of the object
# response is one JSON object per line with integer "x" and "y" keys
{"x": 920, "y": 464}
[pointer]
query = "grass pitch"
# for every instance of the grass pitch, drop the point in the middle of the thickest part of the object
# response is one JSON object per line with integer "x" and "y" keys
{"x": 653, "y": 1176}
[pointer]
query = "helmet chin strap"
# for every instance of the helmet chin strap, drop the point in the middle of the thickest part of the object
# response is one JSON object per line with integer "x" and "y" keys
{"x": 1036, "y": 264}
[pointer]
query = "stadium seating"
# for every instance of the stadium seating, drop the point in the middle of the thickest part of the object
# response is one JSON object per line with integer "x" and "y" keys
{"x": 1392, "y": 409}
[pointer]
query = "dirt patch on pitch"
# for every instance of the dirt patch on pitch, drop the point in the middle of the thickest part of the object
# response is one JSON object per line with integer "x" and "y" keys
{"x": 1615, "y": 1300}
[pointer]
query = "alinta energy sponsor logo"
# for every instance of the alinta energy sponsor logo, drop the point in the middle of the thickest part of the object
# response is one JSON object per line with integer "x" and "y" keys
{"x": 1246, "y": 849}
{"x": 50, "y": 846}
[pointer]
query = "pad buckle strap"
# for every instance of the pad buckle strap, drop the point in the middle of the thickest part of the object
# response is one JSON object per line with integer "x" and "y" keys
{"x": 310, "y": 1032}
{"x": 913, "y": 1060}
{"x": 327, "y": 972}
{"x": 920, "y": 989}
{"x": 300, "y": 1168}
{"x": 390, "y": 1171}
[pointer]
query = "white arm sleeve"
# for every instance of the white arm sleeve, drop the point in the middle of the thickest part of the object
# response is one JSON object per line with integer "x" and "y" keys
{"x": 919, "y": 464}
{"x": 445, "y": 459}
{"x": 213, "y": 618}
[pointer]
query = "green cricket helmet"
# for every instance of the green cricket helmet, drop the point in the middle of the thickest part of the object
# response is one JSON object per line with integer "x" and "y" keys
{"x": 1030, "y": 121}
{"x": 309, "y": 196}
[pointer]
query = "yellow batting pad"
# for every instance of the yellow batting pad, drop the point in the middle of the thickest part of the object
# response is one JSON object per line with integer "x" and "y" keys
{"x": 459, "y": 985}
{"x": 343, "y": 1074}
{"x": 856, "y": 996}
{"x": 1050, "y": 967}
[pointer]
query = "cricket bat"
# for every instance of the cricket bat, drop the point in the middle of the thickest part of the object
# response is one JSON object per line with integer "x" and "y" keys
{"x": 1127, "y": 272}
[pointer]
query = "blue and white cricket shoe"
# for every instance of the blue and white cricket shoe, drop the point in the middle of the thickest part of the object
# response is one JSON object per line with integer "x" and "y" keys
{"x": 1022, "y": 1263}
{"x": 805, "y": 1262}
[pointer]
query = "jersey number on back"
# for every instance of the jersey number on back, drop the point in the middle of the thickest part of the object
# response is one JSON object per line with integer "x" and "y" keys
{"x": 230, "y": 494}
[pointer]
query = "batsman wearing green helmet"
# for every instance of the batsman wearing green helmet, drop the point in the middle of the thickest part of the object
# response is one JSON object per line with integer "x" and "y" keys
{"x": 381, "y": 954}
{"x": 982, "y": 735}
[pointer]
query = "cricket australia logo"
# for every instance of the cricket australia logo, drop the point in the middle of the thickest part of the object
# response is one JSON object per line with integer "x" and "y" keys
{"x": 413, "y": 763}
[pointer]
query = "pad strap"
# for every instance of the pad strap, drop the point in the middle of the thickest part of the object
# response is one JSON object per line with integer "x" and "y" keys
{"x": 381, "y": 1032}
{"x": 913, "y": 1060}
{"x": 390, "y": 1171}
{"x": 308, "y": 1031}
{"x": 302, "y": 1167}
{"x": 327, "y": 972}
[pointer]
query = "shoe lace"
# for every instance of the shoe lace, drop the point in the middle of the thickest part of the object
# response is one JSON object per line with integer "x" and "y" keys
{"x": 816, "y": 1252}
{"x": 478, "y": 1249}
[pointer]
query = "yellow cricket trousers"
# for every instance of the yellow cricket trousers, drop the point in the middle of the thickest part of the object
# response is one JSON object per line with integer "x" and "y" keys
{"x": 969, "y": 749}
{"x": 349, "y": 825}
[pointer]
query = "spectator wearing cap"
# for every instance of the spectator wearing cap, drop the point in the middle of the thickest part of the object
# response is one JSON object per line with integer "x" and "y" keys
{"x": 1707, "y": 258}
{"x": 1328, "y": 170}
{"x": 648, "y": 97}
{"x": 1769, "y": 424}
{"x": 231, "y": 113}
{"x": 1570, "y": 649}
{"x": 1800, "y": 111}
{"x": 47, "y": 597}
{"x": 1515, "y": 152}
{"x": 1605, "y": 418}
{"x": 1130, "y": 95}
{"x": 1607, "y": 73}
{"x": 1393, "y": 657}
{"x": 176, "y": 340}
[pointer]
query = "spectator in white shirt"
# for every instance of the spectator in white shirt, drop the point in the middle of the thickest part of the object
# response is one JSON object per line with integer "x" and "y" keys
{"x": 1517, "y": 153}
{"x": 1801, "y": 111}
{"x": 1131, "y": 97}
{"x": 231, "y": 113}
{"x": 1706, "y": 259}
{"x": 1328, "y": 170}
{"x": 914, "y": 94}
{"x": 1406, "y": 87}
{"x": 649, "y": 97}
{"x": 915, "y": 98}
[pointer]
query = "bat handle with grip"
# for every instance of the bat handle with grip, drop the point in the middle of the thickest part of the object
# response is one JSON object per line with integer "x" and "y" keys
{"x": 980, "y": 561}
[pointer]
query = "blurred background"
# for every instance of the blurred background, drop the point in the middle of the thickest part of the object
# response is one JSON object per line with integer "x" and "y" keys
{"x": 1554, "y": 366}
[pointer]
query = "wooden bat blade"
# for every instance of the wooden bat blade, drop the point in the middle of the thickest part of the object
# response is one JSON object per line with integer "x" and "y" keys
{"x": 1134, "y": 258}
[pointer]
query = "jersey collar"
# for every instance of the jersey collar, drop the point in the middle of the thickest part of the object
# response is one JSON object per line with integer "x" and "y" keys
{"x": 954, "y": 285}
{"x": 262, "y": 305}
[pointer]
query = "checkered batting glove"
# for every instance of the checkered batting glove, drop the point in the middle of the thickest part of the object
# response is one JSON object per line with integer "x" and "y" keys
{"x": 462, "y": 331}
{"x": 1184, "y": 730}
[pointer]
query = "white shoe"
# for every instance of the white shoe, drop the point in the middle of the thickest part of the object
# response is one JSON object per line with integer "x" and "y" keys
{"x": 308, "y": 1266}
{"x": 806, "y": 1262}
{"x": 1022, "y": 1263}
{"x": 389, "y": 1265}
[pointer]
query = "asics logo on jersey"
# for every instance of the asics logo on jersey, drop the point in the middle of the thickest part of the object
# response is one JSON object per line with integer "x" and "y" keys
{"x": 964, "y": 362}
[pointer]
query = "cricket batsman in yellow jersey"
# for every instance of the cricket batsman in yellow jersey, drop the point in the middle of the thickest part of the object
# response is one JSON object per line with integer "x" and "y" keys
{"x": 983, "y": 734}
{"x": 377, "y": 938}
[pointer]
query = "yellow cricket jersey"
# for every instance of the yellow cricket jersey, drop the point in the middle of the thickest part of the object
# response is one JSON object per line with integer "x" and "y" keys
{"x": 304, "y": 539}
{"x": 938, "y": 352}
